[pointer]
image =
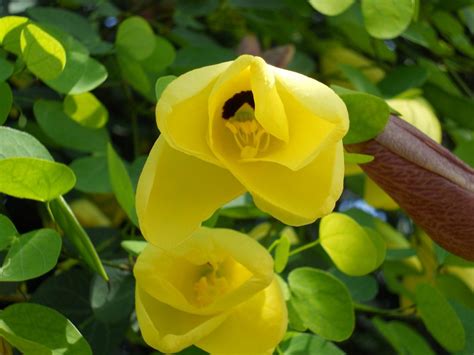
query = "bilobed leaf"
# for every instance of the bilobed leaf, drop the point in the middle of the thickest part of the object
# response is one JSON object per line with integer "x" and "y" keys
{"x": 34, "y": 178}
{"x": 72, "y": 229}
{"x": 31, "y": 255}
{"x": 92, "y": 174}
{"x": 134, "y": 247}
{"x": 8, "y": 232}
{"x": 282, "y": 253}
{"x": 162, "y": 56}
{"x": 135, "y": 37}
{"x": 15, "y": 143}
{"x": 323, "y": 303}
{"x": 331, "y": 7}
{"x": 439, "y": 317}
{"x": 65, "y": 131}
{"x": 39, "y": 330}
{"x": 86, "y": 110}
{"x": 304, "y": 343}
{"x": 161, "y": 85}
{"x": 42, "y": 53}
{"x": 349, "y": 245}
{"x": 386, "y": 19}
{"x": 368, "y": 115}
{"x": 121, "y": 184}
{"x": 6, "y": 100}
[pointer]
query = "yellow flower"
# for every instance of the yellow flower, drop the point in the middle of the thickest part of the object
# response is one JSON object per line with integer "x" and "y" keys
{"x": 216, "y": 291}
{"x": 242, "y": 126}
{"x": 420, "y": 114}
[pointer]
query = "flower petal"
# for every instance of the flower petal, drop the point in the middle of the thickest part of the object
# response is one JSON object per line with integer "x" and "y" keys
{"x": 295, "y": 197}
{"x": 168, "y": 329}
{"x": 176, "y": 192}
{"x": 255, "y": 327}
{"x": 182, "y": 111}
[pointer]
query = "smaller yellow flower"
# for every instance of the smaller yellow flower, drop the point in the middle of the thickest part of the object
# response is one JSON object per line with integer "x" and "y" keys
{"x": 216, "y": 291}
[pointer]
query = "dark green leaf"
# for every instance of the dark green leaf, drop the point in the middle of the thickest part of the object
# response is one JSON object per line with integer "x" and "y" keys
{"x": 359, "y": 80}
{"x": 92, "y": 174}
{"x": 401, "y": 79}
{"x": 361, "y": 288}
{"x": 6, "y": 100}
{"x": 6, "y": 69}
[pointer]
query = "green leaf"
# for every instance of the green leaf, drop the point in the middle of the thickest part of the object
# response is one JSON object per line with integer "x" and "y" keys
{"x": 452, "y": 29}
{"x": 113, "y": 300}
{"x": 368, "y": 115}
{"x": 359, "y": 80}
{"x": 39, "y": 330}
{"x": 454, "y": 289}
{"x": 403, "y": 338}
{"x": 135, "y": 75}
{"x": 66, "y": 132}
{"x": 439, "y": 317}
{"x": 10, "y": 31}
{"x": 242, "y": 212}
{"x": 387, "y": 19}
{"x": 8, "y": 232}
{"x": 331, "y": 7}
{"x": 121, "y": 184}
{"x": 31, "y": 255}
{"x": 92, "y": 174}
{"x": 66, "y": 220}
{"x": 136, "y": 38}
{"x": 15, "y": 143}
{"x": 34, "y": 178}
{"x": 361, "y": 288}
{"x": 86, "y": 110}
{"x": 134, "y": 247}
{"x": 423, "y": 34}
{"x": 42, "y": 53}
{"x": 303, "y": 343}
{"x": 355, "y": 158}
{"x": 6, "y": 69}
{"x": 403, "y": 78}
{"x": 162, "y": 56}
{"x": 6, "y": 101}
{"x": 466, "y": 315}
{"x": 323, "y": 303}
{"x": 282, "y": 252}
{"x": 161, "y": 85}
{"x": 465, "y": 151}
{"x": 353, "y": 249}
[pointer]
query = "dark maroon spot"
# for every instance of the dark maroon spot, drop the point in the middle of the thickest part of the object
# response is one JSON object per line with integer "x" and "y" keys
{"x": 235, "y": 102}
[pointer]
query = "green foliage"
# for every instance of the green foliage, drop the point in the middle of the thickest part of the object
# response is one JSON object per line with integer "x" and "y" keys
{"x": 303, "y": 343}
{"x": 6, "y": 100}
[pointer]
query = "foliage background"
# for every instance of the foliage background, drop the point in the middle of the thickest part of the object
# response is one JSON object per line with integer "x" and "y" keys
{"x": 387, "y": 48}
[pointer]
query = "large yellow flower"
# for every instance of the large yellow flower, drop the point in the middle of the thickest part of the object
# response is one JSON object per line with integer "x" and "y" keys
{"x": 242, "y": 126}
{"x": 217, "y": 291}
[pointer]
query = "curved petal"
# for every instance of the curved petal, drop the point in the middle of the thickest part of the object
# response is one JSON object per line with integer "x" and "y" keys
{"x": 168, "y": 329}
{"x": 170, "y": 276}
{"x": 295, "y": 197}
{"x": 182, "y": 111}
{"x": 255, "y": 327}
{"x": 177, "y": 192}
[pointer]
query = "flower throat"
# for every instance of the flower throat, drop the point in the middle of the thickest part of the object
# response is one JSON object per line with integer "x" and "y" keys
{"x": 249, "y": 135}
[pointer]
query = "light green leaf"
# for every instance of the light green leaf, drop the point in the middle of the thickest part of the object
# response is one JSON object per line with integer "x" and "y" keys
{"x": 162, "y": 57}
{"x": 8, "y": 232}
{"x": 355, "y": 158}
{"x": 92, "y": 174}
{"x": 72, "y": 229}
{"x": 86, "y": 110}
{"x": 303, "y": 343}
{"x": 39, "y": 330}
{"x": 41, "y": 52}
{"x": 15, "y": 143}
{"x": 135, "y": 37}
{"x": 331, "y": 7}
{"x": 134, "y": 247}
{"x": 323, "y": 303}
{"x": 66, "y": 132}
{"x": 135, "y": 75}
{"x": 10, "y": 30}
{"x": 452, "y": 29}
{"x": 282, "y": 252}
{"x": 378, "y": 242}
{"x": 34, "y": 178}
{"x": 386, "y": 19}
{"x": 121, "y": 184}
{"x": 161, "y": 85}
{"x": 349, "y": 245}
{"x": 361, "y": 288}
{"x": 6, "y": 69}
{"x": 368, "y": 115}
{"x": 454, "y": 289}
{"x": 403, "y": 338}
{"x": 6, "y": 100}
{"x": 439, "y": 317}
{"x": 31, "y": 255}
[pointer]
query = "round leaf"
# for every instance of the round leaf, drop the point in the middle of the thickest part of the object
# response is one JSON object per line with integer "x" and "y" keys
{"x": 439, "y": 317}
{"x": 6, "y": 100}
{"x": 386, "y": 19}
{"x": 331, "y": 7}
{"x": 15, "y": 143}
{"x": 163, "y": 56}
{"x": 31, "y": 255}
{"x": 323, "y": 303}
{"x": 35, "y": 179}
{"x": 135, "y": 37}
{"x": 42, "y": 53}
{"x": 86, "y": 110}
{"x": 92, "y": 174}
{"x": 303, "y": 343}
{"x": 39, "y": 330}
{"x": 7, "y": 232}
{"x": 348, "y": 244}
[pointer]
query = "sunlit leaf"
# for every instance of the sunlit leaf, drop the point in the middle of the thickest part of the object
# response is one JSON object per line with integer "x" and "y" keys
{"x": 15, "y": 143}
{"x": 86, "y": 110}
{"x": 331, "y": 7}
{"x": 387, "y": 18}
{"x": 134, "y": 247}
{"x": 282, "y": 252}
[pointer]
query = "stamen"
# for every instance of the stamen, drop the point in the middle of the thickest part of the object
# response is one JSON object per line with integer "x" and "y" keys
{"x": 210, "y": 286}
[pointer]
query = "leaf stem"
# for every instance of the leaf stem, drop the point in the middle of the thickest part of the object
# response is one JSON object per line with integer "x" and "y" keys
{"x": 384, "y": 312}
{"x": 304, "y": 247}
